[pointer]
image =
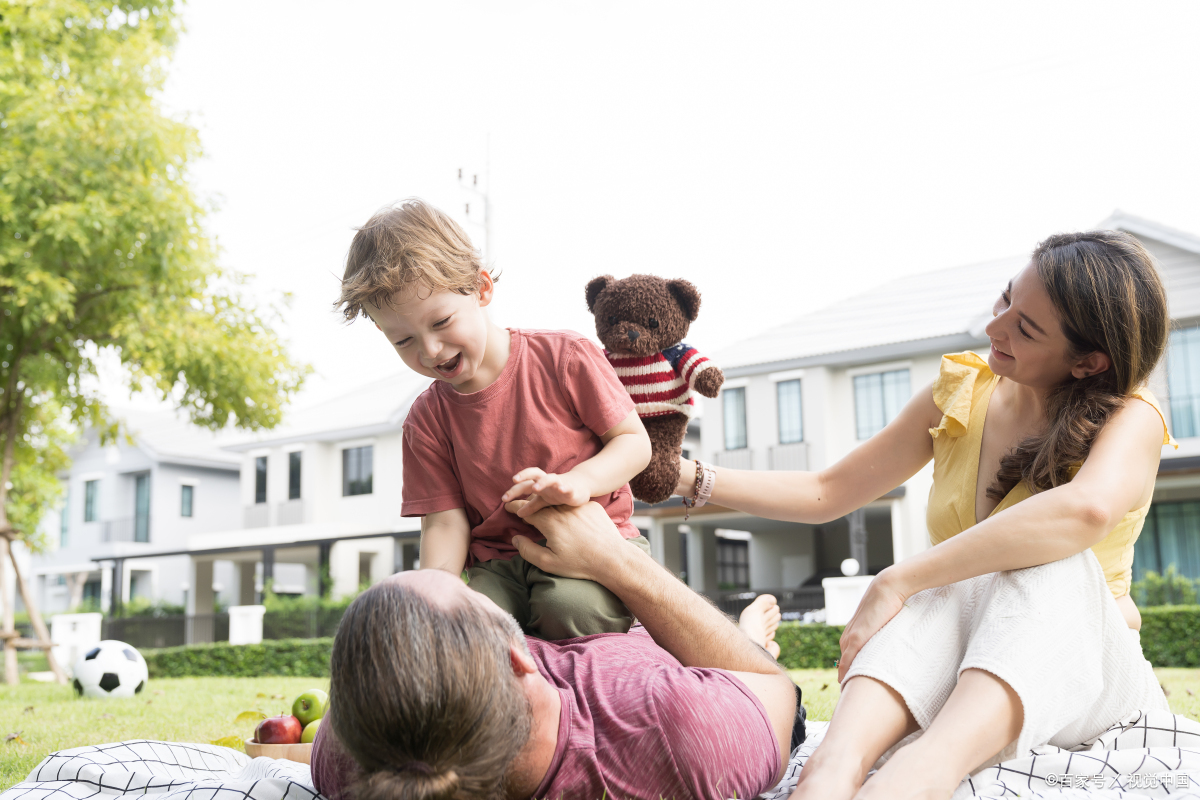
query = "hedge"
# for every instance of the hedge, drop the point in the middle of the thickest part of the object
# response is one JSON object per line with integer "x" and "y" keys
{"x": 808, "y": 646}
{"x": 1171, "y": 635}
{"x": 299, "y": 657}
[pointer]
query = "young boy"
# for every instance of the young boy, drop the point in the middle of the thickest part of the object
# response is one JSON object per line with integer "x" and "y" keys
{"x": 510, "y": 413}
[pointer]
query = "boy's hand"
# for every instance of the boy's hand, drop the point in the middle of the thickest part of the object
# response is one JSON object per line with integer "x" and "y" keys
{"x": 546, "y": 489}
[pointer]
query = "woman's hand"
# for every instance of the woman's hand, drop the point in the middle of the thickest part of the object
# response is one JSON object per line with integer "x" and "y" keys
{"x": 882, "y": 601}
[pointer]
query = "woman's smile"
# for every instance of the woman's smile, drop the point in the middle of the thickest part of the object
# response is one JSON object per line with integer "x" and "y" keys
{"x": 1000, "y": 354}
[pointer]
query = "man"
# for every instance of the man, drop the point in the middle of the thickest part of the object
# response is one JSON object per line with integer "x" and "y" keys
{"x": 435, "y": 692}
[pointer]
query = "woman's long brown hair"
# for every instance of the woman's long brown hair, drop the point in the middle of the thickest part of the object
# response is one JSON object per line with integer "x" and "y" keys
{"x": 424, "y": 697}
{"x": 1110, "y": 299}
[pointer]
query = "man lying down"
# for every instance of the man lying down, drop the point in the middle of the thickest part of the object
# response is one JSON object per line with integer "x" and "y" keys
{"x": 436, "y": 693}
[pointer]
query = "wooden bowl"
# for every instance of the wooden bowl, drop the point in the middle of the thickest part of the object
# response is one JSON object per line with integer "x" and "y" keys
{"x": 292, "y": 752}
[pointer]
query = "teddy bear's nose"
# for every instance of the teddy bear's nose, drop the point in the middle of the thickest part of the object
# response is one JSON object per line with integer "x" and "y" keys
{"x": 633, "y": 335}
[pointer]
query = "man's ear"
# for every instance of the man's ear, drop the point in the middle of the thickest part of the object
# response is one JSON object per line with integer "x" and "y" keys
{"x": 688, "y": 297}
{"x": 522, "y": 663}
{"x": 595, "y": 287}
{"x": 1092, "y": 364}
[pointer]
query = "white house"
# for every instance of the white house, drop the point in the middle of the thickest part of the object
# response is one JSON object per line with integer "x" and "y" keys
{"x": 804, "y": 394}
{"x": 126, "y": 500}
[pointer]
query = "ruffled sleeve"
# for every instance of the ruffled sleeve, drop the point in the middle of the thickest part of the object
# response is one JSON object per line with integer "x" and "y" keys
{"x": 1148, "y": 396}
{"x": 954, "y": 391}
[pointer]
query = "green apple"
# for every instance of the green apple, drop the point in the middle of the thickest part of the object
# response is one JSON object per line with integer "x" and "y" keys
{"x": 310, "y": 705}
{"x": 310, "y": 731}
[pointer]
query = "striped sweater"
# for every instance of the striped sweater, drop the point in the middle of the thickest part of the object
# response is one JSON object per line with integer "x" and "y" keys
{"x": 661, "y": 383}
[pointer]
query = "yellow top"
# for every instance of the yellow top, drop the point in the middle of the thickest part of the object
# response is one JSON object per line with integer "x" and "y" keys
{"x": 962, "y": 390}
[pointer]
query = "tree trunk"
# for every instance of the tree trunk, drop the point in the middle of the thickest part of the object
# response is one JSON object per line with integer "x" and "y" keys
{"x": 10, "y": 650}
{"x": 35, "y": 617}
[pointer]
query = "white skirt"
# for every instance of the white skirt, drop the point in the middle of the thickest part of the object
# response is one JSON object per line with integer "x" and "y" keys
{"x": 1052, "y": 632}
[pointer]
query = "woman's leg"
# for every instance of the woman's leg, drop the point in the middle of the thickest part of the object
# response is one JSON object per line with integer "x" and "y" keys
{"x": 982, "y": 716}
{"x": 870, "y": 717}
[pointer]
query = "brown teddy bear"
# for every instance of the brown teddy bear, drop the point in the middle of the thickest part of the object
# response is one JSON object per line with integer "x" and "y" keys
{"x": 642, "y": 320}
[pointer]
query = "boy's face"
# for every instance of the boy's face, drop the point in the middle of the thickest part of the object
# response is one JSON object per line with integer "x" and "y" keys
{"x": 441, "y": 334}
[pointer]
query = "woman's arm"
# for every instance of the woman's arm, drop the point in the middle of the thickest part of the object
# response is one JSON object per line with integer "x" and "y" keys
{"x": 868, "y": 472}
{"x": 1117, "y": 476}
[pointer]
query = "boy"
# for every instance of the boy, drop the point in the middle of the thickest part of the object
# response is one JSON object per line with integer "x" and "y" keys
{"x": 510, "y": 413}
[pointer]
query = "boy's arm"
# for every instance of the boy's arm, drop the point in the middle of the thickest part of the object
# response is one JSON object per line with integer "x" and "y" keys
{"x": 445, "y": 538}
{"x": 626, "y": 452}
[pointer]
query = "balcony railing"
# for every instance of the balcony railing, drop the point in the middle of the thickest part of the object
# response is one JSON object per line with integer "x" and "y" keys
{"x": 289, "y": 513}
{"x": 788, "y": 456}
{"x": 255, "y": 516}
{"x": 126, "y": 529}
{"x": 735, "y": 459}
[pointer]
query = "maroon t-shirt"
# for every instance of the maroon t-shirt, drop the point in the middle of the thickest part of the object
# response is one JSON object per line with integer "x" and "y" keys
{"x": 554, "y": 399}
{"x": 635, "y": 723}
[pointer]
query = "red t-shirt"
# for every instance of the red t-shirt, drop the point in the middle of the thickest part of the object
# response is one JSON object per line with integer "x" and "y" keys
{"x": 555, "y": 397}
{"x": 635, "y": 723}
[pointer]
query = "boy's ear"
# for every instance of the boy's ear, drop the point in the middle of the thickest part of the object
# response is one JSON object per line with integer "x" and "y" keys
{"x": 688, "y": 297}
{"x": 486, "y": 287}
{"x": 595, "y": 287}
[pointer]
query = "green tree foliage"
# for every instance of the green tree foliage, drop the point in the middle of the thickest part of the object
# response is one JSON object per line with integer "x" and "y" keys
{"x": 1168, "y": 589}
{"x": 103, "y": 247}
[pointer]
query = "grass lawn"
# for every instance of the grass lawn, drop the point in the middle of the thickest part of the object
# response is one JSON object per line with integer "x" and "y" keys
{"x": 49, "y": 717}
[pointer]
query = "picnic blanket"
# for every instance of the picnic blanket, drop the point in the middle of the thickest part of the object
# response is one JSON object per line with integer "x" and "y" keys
{"x": 1149, "y": 754}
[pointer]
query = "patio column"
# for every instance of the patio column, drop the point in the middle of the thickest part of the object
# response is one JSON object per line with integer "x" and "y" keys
{"x": 323, "y": 577}
{"x": 118, "y": 586}
{"x": 858, "y": 538}
{"x": 268, "y": 562}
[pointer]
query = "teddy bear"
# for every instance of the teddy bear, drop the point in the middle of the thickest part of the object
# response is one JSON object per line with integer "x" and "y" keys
{"x": 641, "y": 320}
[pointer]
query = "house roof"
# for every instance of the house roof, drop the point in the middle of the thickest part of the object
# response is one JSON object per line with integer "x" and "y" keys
{"x": 169, "y": 437}
{"x": 941, "y": 310}
{"x": 377, "y": 407}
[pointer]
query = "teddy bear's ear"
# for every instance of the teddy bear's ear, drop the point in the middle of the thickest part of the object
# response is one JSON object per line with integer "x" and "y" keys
{"x": 595, "y": 287}
{"x": 687, "y": 296}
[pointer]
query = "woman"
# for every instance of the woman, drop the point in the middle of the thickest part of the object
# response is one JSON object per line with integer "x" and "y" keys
{"x": 1016, "y": 629}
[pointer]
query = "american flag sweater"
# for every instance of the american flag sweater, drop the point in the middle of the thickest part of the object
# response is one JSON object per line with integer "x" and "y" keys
{"x": 661, "y": 383}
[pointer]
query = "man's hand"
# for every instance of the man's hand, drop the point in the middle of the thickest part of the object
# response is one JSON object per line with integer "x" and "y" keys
{"x": 581, "y": 541}
{"x": 546, "y": 489}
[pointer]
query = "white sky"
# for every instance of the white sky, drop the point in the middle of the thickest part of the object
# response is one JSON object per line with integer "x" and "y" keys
{"x": 779, "y": 155}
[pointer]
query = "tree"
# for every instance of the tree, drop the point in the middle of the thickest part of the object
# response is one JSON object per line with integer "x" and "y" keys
{"x": 102, "y": 245}
{"x": 103, "y": 248}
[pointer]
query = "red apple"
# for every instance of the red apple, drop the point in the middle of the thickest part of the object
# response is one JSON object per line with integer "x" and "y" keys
{"x": 284, "y": 729}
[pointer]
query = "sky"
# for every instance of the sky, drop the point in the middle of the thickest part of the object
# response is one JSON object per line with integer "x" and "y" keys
{"x": 779, "y": 155}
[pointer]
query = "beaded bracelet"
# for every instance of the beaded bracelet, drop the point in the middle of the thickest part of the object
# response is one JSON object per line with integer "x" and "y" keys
{"x": 706, "y": 476}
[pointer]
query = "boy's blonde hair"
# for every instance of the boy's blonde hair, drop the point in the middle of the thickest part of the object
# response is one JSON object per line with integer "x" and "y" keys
{"x": 414, "y": 244}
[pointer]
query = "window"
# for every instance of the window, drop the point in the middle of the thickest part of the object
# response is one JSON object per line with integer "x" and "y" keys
{"x": 294, "y": 475}
{"x": 791, "y": 420}
{"x": 185, "y": 501}
{"x": 878, "y": 398}
{"x": 91, "y": 499}
{"x": 733, "y": 564}
{"x": 1183, "y": 381}
{"x": 357, "y": 470}
{"x": 1171, "y": 536}
{"x": 64, "y": 527}
{"x": 734, "y": 401}
{"x": 141, "y": 508}
{"x": 260, "y": 479}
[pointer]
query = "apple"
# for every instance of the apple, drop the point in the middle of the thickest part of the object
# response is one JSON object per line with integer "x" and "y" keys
{"x": 310, "y": 705}
{"x": 310, "y": 731}
{"x": 284, "y": 729}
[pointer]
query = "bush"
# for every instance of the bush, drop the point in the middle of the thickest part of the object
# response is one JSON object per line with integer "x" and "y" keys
{"x": 302, "y": 617}
{"x": 1171, "y": 635}
{"x": 299, "y": 657}
{"x": 808, "y": 645}
{"x": 1168, "y": 589}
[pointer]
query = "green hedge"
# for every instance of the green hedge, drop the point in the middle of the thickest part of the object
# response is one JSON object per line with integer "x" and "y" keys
{"x": 299, "y": 657}
{"x": 1171, "y": 635}
{"x": 808, "y": 646}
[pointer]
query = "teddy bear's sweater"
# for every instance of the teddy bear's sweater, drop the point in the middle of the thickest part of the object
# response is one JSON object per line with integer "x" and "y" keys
{"x": 661, "y": 383}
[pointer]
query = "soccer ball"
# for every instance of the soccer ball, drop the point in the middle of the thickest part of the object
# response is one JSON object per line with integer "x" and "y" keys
{"x": 110, "y": 669}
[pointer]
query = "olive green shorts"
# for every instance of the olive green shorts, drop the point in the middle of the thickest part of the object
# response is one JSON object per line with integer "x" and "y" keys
{"x": 549, "y": 606}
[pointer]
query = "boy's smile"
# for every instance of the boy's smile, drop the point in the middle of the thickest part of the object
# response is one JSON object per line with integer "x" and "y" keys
{"x": 445, "y": 335}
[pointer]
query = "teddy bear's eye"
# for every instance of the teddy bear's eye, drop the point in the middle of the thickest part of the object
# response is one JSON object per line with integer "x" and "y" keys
{"x": 612, "y": 320}
{"x": 653, "y": 322}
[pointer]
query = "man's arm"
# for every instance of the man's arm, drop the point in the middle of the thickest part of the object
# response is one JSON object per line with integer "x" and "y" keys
{"x": 445, "y": 538}
{"x": 582, "y": 542}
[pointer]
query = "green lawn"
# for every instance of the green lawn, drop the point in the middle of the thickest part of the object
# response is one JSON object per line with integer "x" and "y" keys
{"x": 49, "y": 717}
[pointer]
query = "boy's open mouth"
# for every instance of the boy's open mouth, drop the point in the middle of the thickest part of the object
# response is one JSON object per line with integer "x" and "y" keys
{"x": 448, "y": 368}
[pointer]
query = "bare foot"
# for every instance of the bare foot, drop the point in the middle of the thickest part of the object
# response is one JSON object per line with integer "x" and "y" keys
{"x": 760, "y": 620}
{"x": 908, "y": 775}
{"x": 828, "y": 778}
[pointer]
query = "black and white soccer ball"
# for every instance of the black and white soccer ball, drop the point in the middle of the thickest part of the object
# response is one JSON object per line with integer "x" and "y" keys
{"x": 110, "y": 669}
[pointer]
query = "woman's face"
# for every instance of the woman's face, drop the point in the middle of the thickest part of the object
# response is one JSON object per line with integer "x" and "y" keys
{"x": 1028, "y": 344}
